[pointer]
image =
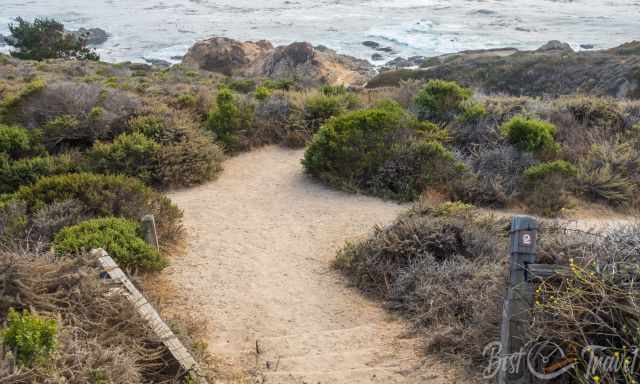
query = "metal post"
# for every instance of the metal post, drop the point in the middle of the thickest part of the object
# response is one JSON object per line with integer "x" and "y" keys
{"x": 149, "y": 231}
{"x": 519, "y": 298}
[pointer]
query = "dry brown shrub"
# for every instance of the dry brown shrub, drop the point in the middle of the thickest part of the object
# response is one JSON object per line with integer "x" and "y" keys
{"x": 101, "y": 335}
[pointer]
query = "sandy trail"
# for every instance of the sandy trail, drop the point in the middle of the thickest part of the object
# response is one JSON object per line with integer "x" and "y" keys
{"x": 261, "y": 239}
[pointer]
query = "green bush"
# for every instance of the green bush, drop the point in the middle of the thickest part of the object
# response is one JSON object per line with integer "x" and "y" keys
{"x": 242, "y": 85}
{"x": 15, "y": 142}
{"x": 441, "y": 101}
{"x": 10, "y": 101}
{"x": 228, "y": 121}
{"x": 333, "y": 90}
{"x": 541, "y": 171}
{"x": 15, "y": 174}
{"x": 530, "y": 134}
{"x": 104, "y": 196}
{"x": 47, "y": 39}
{"x": 152, "y": 126}
{"x": 610, "y": 172}
{"x": 121, "y": 238}
{"x": 262, "y": 93}
{"x": 186, "y": 100}
{"x": 412, "y": 168}
{"x": 356, "y": 150}
{"x": 29, "y": 337}
{"x": 548, "y": 186}
{"x": 320, "y": 108}
{"x": 130, "y": 154}
{"x": 190, "y": 162}
{"x": 282, "y": 85}
{"x": 187, "y": 157}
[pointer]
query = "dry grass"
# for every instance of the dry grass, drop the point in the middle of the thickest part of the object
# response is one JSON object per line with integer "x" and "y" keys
{"x": 101, "y": 335}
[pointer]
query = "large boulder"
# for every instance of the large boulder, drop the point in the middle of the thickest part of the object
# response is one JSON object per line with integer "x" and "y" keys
{"x": 555, "y": 45}
{"x": 226, "y": 56}
{"x": 92, "y": 36}
{"x": 300, "y": 61}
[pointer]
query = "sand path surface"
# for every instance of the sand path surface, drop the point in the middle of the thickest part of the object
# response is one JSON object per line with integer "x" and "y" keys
{"x": 257, "y": 270}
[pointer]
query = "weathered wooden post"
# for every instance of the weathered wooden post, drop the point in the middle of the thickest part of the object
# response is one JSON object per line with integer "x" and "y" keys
{"x": 149, "y": 231}
{"x": 519, "y": 299}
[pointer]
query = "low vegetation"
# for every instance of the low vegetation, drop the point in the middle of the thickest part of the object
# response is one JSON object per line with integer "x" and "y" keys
{"x": 384, "y": 151}
{"x": 62, "y": 323}
{"x": 444, "y": 267}
{"x": 441, "y": 266}
{"x": 121, "y": 238}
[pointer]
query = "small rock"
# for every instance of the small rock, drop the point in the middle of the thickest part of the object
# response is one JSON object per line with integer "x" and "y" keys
{"x": 177, "y": 57}
{"x": 401, "y": 62}
{"x": 555, "y": 45}
{"x": 377, "y": 57}
{"x": 384, "y": 49}
{"x": 587, "y": 46}
{"x": 157, "y": 62}
{"x": 371, "y": 44}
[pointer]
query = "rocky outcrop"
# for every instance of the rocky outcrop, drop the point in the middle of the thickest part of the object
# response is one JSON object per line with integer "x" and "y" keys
{"x": 552, "y": 71}
{"x": 92, "y": 36}
{"x": 555, "y": 45}
{"x": 300, "y": 61}
{"x": 226, "y": 56}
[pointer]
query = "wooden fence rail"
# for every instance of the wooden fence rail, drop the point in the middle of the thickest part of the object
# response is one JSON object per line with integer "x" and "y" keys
{"x": 149, "y": 314}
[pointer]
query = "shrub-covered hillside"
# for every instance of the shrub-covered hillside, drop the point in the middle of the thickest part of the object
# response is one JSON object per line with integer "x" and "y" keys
{"x": 541, "y": 155}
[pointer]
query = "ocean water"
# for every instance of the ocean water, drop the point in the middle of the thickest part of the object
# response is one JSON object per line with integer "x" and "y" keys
{"x": 165, "y": 29}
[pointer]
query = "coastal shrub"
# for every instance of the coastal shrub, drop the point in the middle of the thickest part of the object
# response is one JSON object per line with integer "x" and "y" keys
{"x": 441, "y": 267}
{"x": 229, "y": 121}
{"x": 15, "y": 174}
{"x": 353, "y": 150}
{"x": 494, "y": 175}
{"x": 279, "y": 119}
{"x": 101, "y": 338}
{"x": 14, "y": 222}
{"x": 262, "y": 93}
{"x": 413, "y": 167}
{"x": 105, "y": 196}
{"x": 121, "y": 238}
{"x": 51, "y": 218}
{"x": 610, "y": 172}
{"x": 530, "y": 134}
{"x": 46, "y": 39}
{"x": 186, "y": 157}
{"x": 189, "y": 162}
{"x": 333, "y": 90}
{"x": 186, "y": 100}
{"x": 15, "y": 142}
{"x": 77, "y": 114}
{"x": 319, "y": 108}
{"x": 11, "y": 101}
{"x": 601, "y": 270}
{"x": 281, "y": 85}
{"x": 242, "y": 85}
{"x": 131, "y": 154}
{"x": 548, "y": 186}
{"x": 30, "y": 337}
{"x": 441, "y": 101}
